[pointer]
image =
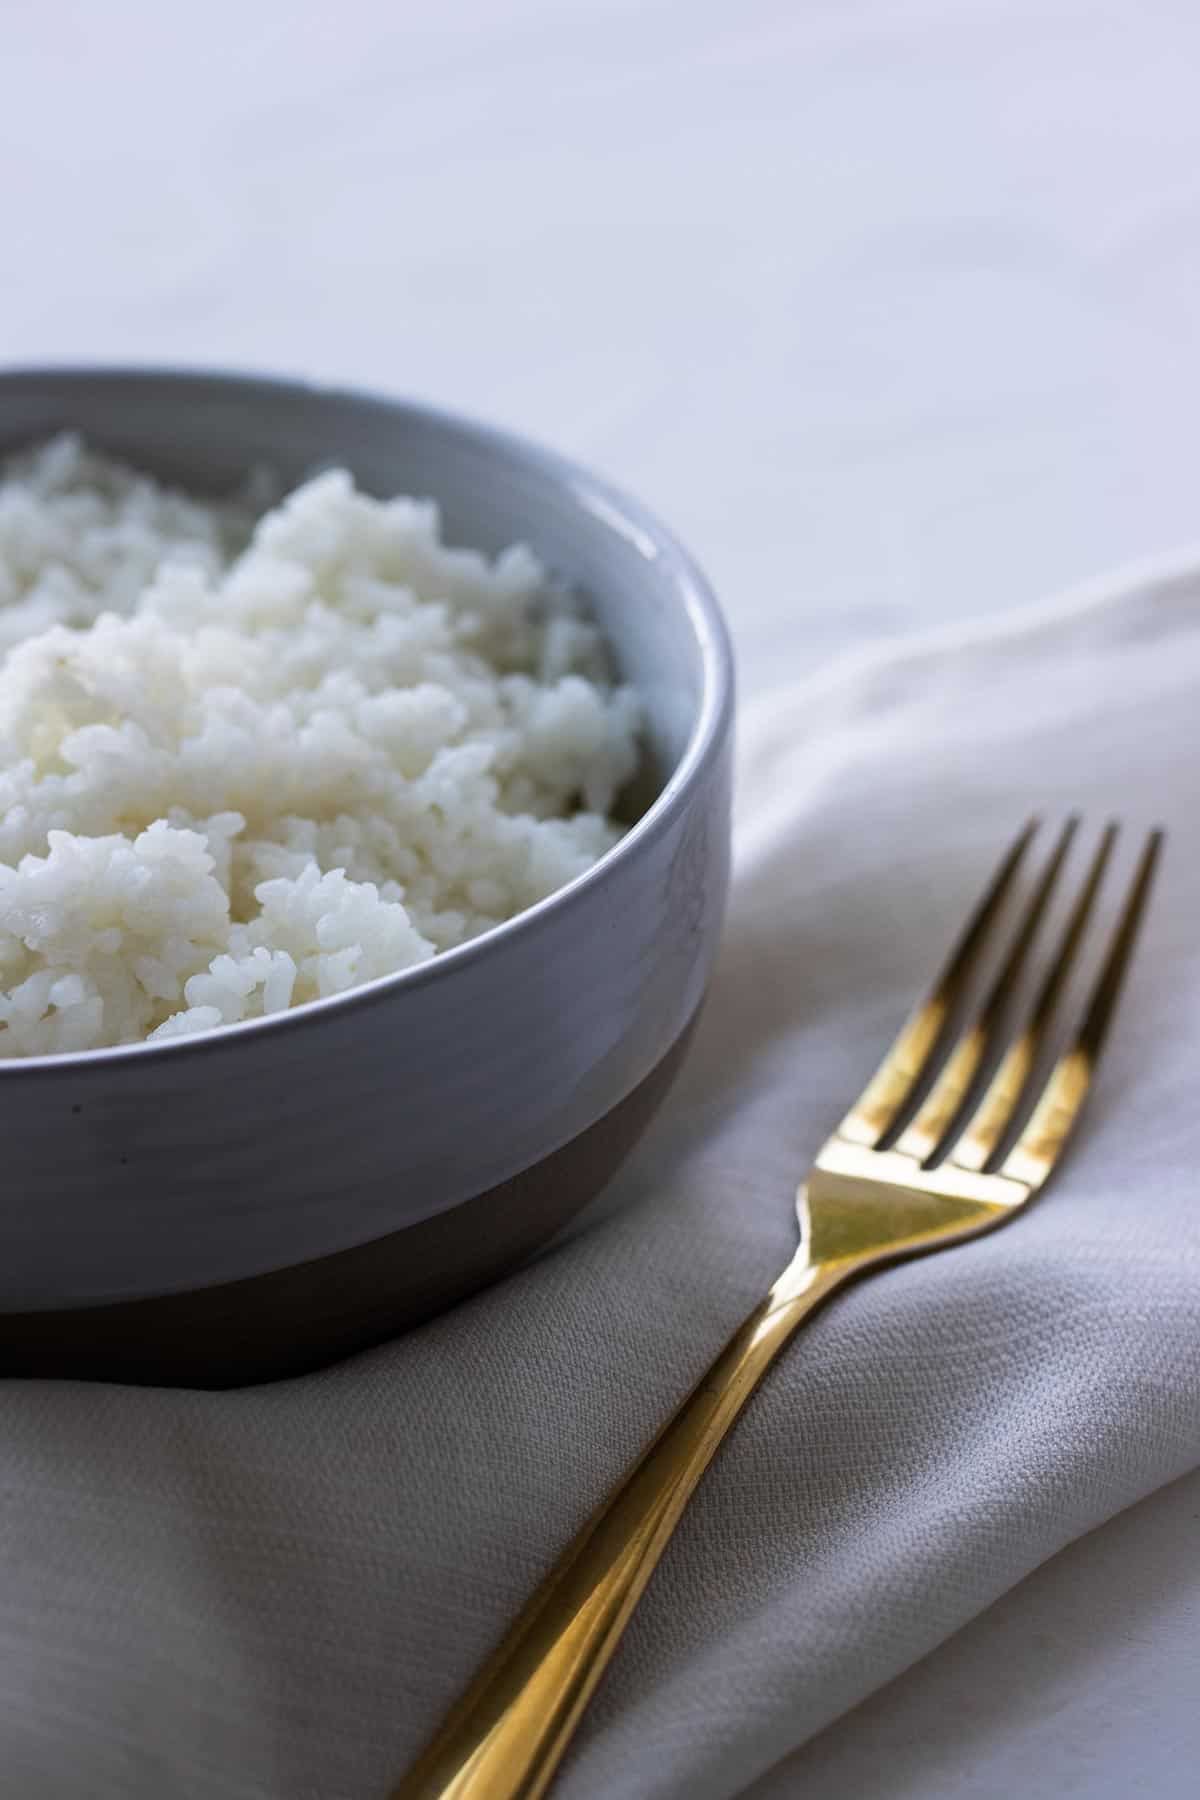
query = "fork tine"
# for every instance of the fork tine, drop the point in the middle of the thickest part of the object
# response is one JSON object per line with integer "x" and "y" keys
{"x": 1040, "y": 1144}
{"x": 937, "y": 1112}
{"x": 997, "y": 1109}
{"x": 885, "y": 1095}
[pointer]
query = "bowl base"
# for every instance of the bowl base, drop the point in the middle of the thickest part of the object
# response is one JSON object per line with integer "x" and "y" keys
{"x": 296, "y": 1319}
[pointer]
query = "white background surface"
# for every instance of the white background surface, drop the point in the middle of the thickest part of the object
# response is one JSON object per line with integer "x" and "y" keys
{"x": 891, "y": 309}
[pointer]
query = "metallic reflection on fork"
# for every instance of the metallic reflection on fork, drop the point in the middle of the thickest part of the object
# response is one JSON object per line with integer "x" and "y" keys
{"x": 922, "y": 1161}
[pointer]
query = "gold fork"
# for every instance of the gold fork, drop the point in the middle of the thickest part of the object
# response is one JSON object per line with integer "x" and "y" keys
{"x": 867, "y": 1201}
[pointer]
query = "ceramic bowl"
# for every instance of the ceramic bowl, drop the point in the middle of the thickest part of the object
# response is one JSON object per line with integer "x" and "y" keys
{"x": 254, "y": 1202}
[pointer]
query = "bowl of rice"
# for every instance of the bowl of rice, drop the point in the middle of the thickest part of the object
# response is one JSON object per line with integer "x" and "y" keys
{"x": 364, "y": 829}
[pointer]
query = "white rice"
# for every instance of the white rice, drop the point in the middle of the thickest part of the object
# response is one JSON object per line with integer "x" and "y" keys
{"x": 243, "y": 767}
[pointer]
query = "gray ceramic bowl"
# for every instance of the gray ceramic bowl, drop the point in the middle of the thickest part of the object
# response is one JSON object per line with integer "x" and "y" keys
{"x": 266, "y": 1198}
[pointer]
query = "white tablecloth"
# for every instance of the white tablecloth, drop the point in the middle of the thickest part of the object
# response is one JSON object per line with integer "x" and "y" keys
{"x": 889, "y": 308}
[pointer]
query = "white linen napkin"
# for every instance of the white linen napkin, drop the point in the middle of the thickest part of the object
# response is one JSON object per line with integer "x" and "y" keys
{"x": 278, "y": 1592}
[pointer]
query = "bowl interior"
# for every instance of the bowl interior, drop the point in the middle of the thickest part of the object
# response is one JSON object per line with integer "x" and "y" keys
{"x": 204, "y": 432}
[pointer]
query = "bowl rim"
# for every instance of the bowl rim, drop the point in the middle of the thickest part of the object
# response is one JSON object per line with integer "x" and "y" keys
{"x": 595, "y": 494}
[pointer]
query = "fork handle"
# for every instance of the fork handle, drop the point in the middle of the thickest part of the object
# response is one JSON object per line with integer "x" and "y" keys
{"x": 506, "y": 1736}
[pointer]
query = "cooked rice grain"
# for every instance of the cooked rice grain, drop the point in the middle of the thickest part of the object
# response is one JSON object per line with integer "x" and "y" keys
{"x": 243, "y": 767}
